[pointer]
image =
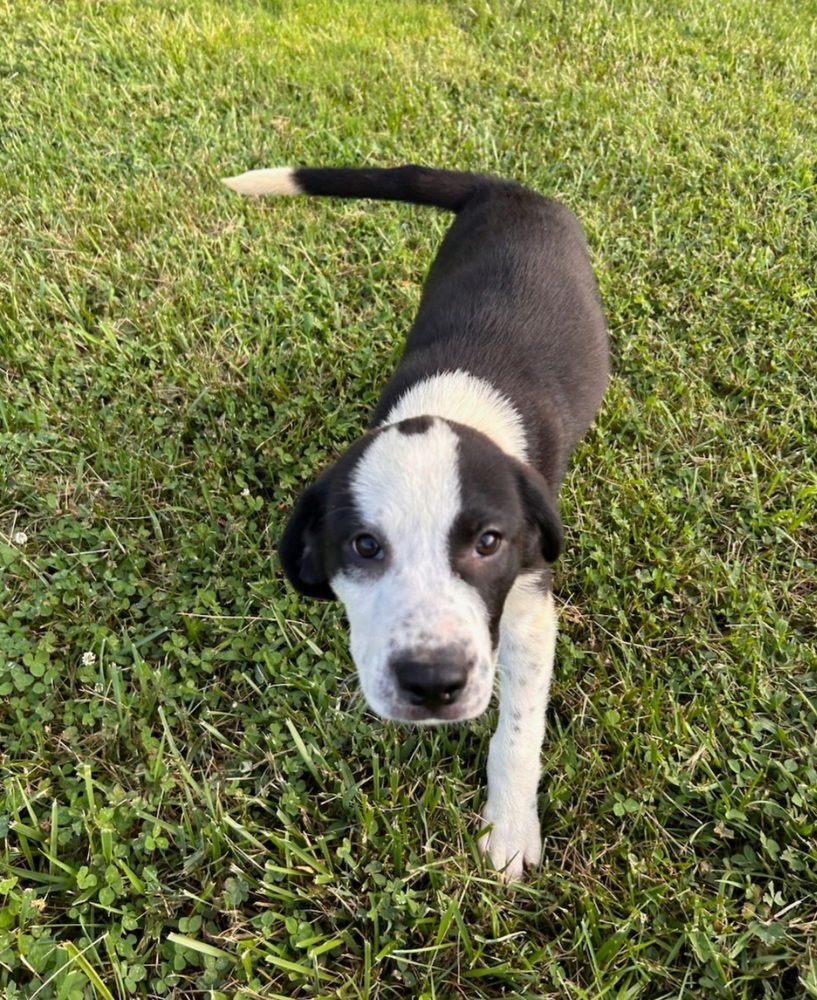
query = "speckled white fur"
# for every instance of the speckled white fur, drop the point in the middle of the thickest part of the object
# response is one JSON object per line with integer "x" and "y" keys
{"x": 526, "y": 651}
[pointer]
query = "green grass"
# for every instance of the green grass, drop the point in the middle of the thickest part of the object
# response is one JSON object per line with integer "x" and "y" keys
{"x": 204, "y": 807}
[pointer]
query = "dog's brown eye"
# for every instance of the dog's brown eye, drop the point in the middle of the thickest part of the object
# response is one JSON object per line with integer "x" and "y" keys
{"x": 488, "y": 543}
{"x": 367, "y": 546}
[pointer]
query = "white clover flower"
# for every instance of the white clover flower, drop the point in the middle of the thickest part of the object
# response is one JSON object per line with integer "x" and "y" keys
{"x": 20, "y": 538}
{"x": 245, "y": 492}
{"x": 88, "y": 659}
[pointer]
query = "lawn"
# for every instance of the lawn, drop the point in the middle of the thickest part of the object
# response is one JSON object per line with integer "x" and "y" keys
{"x": 196, "y": 802}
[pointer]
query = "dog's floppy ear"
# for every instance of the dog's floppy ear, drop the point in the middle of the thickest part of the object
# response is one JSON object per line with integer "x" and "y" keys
{"x": 301, "y": 549}
{"x": 541, "y": 510}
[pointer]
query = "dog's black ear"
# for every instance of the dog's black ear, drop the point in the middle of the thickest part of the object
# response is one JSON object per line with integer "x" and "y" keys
{"x": 301, "y": 549}
{"x": 542, "y": 511}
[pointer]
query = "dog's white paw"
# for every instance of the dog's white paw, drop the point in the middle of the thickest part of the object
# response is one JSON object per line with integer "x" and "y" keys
{"x": 515, "y": 840}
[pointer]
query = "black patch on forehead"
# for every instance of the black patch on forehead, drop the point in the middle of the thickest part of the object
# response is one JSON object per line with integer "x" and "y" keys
{"x": 342, "y": 518}
{"x": 414, "y": 425}
{"x": 486, "y": 476}
{"x": 489, "y": 499}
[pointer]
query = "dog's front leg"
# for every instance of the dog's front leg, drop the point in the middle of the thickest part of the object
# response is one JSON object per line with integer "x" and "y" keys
{"x": 526, "y": 648}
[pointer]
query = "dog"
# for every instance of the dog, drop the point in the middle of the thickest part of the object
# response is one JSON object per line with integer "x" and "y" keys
{"x": 438, "y": 527}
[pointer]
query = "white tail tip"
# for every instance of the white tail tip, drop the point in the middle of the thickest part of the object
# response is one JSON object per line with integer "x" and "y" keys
{"x": 273, "y": 180}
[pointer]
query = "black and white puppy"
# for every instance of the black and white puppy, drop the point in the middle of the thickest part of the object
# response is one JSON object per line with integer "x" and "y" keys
{"x": 437, "y": 528}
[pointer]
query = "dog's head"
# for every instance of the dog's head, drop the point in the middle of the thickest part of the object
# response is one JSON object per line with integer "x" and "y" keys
{"x": 421, "y": 529}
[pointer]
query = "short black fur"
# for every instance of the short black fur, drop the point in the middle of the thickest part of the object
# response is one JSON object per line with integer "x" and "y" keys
{"x": 512, "y": 299}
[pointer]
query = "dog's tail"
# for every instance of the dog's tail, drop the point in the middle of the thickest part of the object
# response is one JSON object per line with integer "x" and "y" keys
{"x": 450, "y": 189}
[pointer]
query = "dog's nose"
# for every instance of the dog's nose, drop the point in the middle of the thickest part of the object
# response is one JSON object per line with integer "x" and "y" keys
{"x": 431, "y": 684}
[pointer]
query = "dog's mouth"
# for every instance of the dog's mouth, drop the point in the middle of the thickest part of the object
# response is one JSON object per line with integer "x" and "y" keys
{"x": 421, "y": 716}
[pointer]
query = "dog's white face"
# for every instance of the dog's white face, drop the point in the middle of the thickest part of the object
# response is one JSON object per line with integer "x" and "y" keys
{"x": 415, "y": 610}
{"x": 421, "y": 530}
